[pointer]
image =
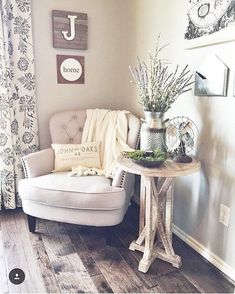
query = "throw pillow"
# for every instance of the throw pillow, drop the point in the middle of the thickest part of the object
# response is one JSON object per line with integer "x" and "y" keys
{"x": 68, "y": 156}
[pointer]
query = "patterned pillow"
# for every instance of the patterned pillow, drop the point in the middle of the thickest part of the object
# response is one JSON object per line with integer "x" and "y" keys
{"x": 68, "y": 156}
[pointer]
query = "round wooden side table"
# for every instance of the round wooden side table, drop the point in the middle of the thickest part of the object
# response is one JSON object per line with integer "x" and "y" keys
{"x": 156, "y": 209}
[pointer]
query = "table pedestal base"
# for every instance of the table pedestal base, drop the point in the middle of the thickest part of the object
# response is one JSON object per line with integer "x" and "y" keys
{"x": 155, "y": 228}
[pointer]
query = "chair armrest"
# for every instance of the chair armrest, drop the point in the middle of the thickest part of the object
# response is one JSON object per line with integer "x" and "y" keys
{"x": 124, "y": 180}
{"x": 38, "y": 163}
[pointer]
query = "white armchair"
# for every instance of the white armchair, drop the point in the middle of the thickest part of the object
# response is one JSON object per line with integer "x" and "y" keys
{"x": 88, "y": 200}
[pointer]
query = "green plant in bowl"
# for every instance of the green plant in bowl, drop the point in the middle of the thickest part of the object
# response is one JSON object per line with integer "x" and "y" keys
{"x": 147, "y": 158}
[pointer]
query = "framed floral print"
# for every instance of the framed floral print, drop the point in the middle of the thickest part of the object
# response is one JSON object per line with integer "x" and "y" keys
{"x": 209, "y": 22}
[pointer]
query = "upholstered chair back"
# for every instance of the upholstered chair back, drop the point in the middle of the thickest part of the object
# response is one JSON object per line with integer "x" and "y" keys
{"x": 67, "y": 127}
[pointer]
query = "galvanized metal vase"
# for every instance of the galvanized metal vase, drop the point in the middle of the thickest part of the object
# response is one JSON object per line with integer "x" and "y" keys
{"x": 152, "y": 131}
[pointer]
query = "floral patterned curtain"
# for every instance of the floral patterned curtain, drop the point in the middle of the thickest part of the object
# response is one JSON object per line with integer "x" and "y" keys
{"x": 18, "y": 116}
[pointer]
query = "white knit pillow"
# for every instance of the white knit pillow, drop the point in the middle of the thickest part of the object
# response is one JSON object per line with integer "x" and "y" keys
{"x": 68, "y": 156}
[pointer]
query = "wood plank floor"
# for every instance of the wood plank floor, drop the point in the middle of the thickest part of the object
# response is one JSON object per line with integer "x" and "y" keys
{"x": 65, "y": 258}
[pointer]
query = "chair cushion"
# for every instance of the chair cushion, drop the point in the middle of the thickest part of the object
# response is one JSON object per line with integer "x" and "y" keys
{"x": 60, "y": 190}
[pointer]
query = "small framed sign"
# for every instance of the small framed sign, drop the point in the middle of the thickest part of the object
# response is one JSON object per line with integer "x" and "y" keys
{"x": 70, "y": 29}
{"x": 70, "y": 69}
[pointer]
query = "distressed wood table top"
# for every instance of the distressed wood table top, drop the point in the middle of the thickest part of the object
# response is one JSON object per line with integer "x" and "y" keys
{"x": 169, "y": 169}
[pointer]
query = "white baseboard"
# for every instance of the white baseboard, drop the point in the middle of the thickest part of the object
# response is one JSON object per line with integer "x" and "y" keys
{"x": 205, "y": 252}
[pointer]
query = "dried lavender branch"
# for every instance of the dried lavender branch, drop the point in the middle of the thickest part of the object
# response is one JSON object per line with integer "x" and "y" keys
{"x": 158, "y": 87}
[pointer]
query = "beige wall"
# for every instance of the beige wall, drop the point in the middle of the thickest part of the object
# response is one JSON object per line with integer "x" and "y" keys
{"x": 101, "y": 59}
{"x": 197, "y": 197}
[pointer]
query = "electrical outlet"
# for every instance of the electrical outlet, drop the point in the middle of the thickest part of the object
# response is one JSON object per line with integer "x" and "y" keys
{"x": 224, "y": 214}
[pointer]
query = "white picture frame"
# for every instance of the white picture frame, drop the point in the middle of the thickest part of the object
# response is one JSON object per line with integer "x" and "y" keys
{"x": 222, "y": 36}
{"x": 209, "y": 22}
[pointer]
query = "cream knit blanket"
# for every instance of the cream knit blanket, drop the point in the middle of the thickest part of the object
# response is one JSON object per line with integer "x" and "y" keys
{"x": 111, "y": 129}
